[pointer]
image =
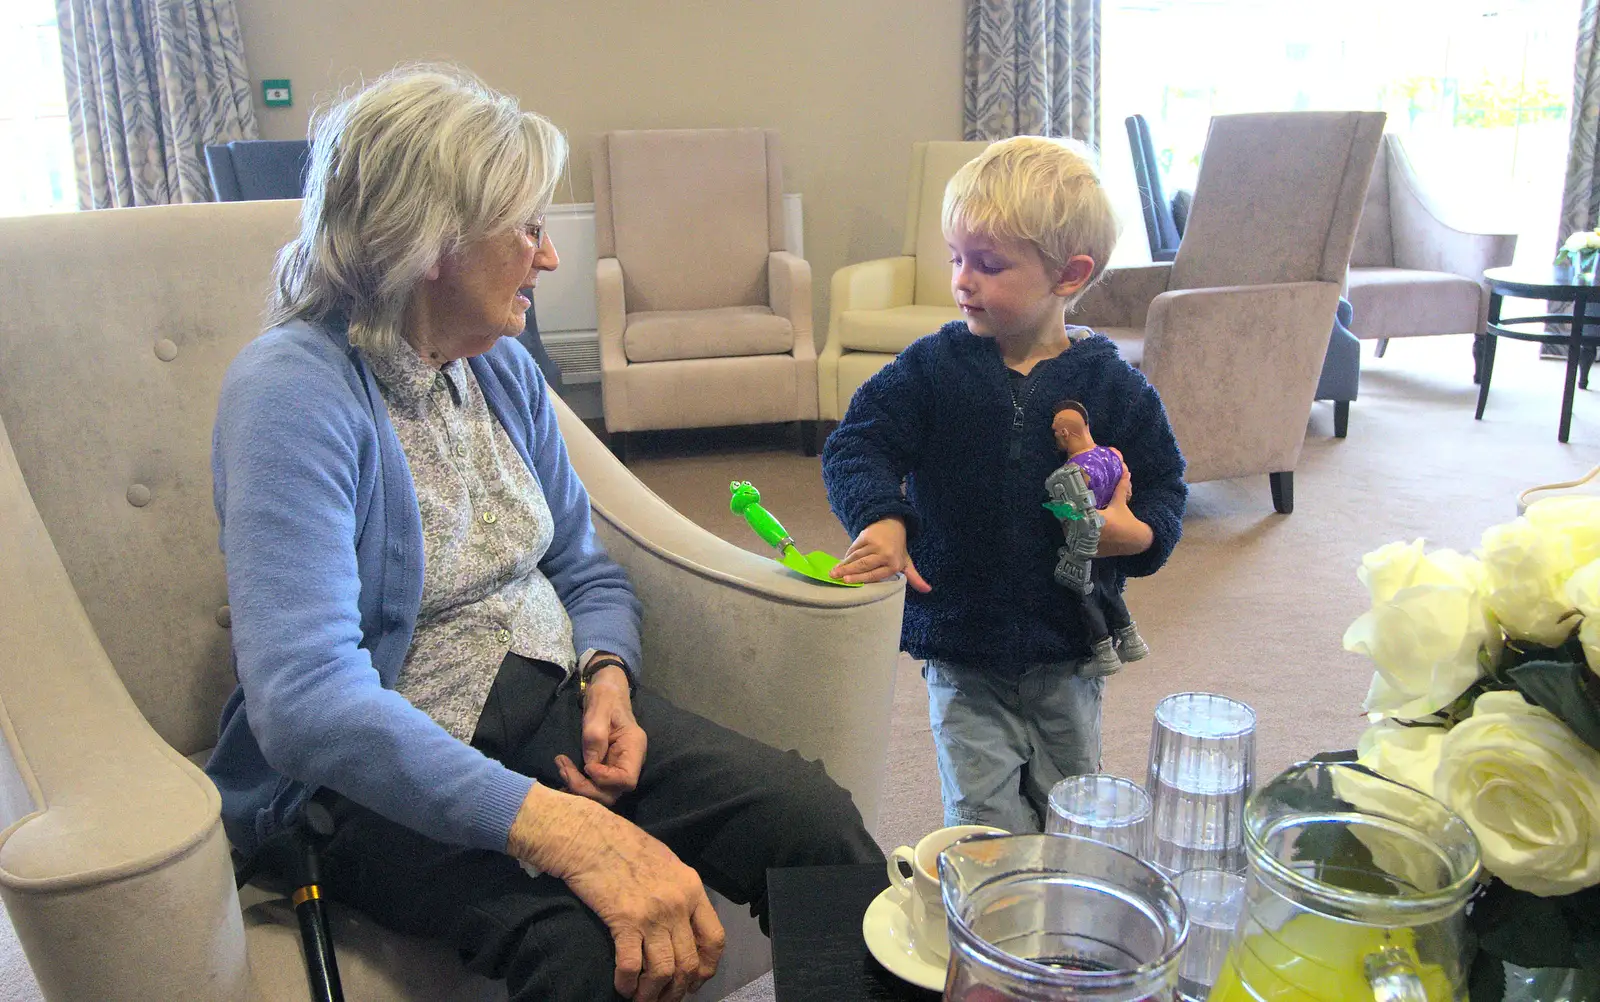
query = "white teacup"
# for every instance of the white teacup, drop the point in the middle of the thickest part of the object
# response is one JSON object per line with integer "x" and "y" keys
{"x": 919, "y": 892}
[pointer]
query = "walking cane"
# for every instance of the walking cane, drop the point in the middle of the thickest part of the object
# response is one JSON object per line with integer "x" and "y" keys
{"x": 305, "y": 840}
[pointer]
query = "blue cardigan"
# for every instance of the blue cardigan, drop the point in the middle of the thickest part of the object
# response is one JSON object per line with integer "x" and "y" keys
{"x": 323, "y": 541}
{"x": 941, "y": 419}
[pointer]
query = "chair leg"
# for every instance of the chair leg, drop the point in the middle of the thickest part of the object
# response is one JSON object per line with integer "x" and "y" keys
{"x": 1383, "y": 346}
{"x": 808, "y": 437}
{"x": 1485, "y": 374}
{"x": 618, "y": 440}
{"x": 1282, "y": 491}
{"x": 1341, "y": 418}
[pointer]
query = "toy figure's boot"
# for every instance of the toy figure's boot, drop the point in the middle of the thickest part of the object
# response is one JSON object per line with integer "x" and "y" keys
{"x": 1102, "y": 661}
{"x": 1130, "y": 646}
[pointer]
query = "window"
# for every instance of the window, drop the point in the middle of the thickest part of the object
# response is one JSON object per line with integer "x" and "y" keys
{"x": 36, "y": 170}
{"x": 1477, "y": 89}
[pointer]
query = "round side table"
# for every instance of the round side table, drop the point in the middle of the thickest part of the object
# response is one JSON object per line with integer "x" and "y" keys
{"x": 1581, "y": 341}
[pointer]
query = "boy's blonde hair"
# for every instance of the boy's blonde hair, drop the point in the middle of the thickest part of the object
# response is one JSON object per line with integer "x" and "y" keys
{"x": 1045, "y": 191}
{"x": 404, "y": 171}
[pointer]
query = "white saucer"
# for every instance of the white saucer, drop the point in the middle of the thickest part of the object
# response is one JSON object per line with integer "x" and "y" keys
{"x": 887, "y": 930}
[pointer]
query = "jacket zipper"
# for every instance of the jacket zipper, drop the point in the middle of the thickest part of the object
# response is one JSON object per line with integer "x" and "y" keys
{"x": 1013, "y": 471}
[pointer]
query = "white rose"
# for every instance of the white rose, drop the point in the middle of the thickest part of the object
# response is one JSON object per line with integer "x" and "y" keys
{"x": 1424, "y": 629}
{"x": 1408, "y": 755}
{"x": 1531, "y": 792}
{"x": 1527, "y": 569}
{"x": 1583, "y": 591}
{"x": 1573, "y": 517}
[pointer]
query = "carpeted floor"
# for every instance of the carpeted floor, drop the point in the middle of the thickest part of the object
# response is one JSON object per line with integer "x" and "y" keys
{"x": 1252, "y": 604}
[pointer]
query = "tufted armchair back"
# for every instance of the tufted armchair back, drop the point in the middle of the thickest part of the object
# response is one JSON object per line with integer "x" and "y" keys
{"x": 114, "y": 441}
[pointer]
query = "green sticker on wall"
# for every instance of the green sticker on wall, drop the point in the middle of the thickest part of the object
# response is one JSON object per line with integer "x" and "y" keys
{"x": 276, "y": 93}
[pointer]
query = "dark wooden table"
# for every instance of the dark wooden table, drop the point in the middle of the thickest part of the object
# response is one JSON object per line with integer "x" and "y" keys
{"x": 1583, "y": 335}
{"x": 818, "y": 954}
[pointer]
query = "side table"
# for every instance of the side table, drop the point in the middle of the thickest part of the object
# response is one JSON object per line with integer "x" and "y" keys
{"x": 1581, "y": 341}
{"x": 818, "y": 954}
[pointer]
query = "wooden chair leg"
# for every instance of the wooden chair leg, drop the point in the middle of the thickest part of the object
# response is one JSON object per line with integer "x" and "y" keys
{"x": 1282, "y": 491}
{"x": 1341, "y": 418}
{"x": 1383, "y": 346}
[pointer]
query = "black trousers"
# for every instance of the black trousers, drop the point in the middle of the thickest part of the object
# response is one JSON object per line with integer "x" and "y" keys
{"x": 1104, "y": 609}
{"x": 726, "y": 805}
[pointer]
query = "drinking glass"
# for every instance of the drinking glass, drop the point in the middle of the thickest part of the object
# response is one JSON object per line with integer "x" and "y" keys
{"x": 1202, "y": 770}
{"x": 1103, "y": 807}
{"x": 1214, "y": 900}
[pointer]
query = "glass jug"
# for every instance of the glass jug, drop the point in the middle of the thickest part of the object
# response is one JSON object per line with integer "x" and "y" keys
{"x": 1357, "y": 891}
{"x": 1044, "y": 918}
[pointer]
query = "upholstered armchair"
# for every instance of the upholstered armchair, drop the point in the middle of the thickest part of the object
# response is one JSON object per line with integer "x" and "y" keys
{"x": 1412, "y": 273}
{"x": 705, "y": 316}
{"x": 879, "y": 307}
{"x": 1233, "y": 333}
{"x": 114, "y": 650}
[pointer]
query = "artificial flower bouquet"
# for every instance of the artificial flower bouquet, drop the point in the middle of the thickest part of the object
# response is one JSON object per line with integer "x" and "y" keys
{"x": 1581, "y": 250}
{"x": 1487, "y": 698}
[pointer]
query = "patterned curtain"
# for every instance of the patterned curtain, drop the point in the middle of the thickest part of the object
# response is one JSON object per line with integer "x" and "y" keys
{"x": 1580, "y": 200}
{"x": 149, "y": 84}
{"x": 1033, "y": 68}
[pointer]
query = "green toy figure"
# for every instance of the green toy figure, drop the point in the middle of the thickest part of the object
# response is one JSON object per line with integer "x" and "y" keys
{"x": 746, "y": 501}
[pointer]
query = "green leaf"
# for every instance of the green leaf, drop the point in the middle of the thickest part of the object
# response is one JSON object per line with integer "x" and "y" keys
{"x": 1524, "y": 928}
{"x": 1346, "y": 755}
{"x": 1561, "y": 688}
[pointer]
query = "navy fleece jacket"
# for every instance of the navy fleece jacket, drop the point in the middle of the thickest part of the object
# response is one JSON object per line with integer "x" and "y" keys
{"x": 973, "y": 452}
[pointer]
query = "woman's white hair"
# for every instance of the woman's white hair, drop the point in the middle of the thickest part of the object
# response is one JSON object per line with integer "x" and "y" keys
{"x": 403, "y": 172}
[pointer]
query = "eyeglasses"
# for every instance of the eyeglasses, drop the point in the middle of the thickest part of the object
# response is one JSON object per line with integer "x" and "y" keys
{"x": 536, "y": 232}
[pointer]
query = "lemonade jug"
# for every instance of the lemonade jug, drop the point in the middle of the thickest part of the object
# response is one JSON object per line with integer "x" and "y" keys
{"x": 1058, "y": 918}
{"x": 1357, "y": 890}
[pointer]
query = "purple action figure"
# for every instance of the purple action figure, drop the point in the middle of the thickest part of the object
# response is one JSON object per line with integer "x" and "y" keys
{"x": 1089, "y": 479}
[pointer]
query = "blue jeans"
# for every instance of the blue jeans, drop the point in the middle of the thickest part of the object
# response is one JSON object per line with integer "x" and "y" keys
{"x": 1003, "y": 743}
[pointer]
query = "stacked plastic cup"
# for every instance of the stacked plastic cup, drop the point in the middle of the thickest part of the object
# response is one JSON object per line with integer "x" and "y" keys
{"x": 1106, "y": 808}
{"x": 1202, "y": 770}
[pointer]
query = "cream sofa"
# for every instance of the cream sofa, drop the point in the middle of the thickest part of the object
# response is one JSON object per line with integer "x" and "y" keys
{"x": 879, "y": 307}
{"x": 115, "y": 329}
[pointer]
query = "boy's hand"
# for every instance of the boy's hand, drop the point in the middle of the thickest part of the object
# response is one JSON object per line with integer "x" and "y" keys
{"x": 878, "y": 554}
{"x": 1123, "y": 534}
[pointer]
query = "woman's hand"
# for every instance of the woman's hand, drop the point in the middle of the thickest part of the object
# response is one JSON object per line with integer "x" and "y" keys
{"x": 878, "y": 554}
{"x": 613, "y": 742}
{"x": 1123, "y": 534}
{"x": 667, "y": 936}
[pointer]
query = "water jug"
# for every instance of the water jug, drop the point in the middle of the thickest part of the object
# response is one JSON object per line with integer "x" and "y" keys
{"x": 1045, "y": 918}
{"x": 1357, "y": 889}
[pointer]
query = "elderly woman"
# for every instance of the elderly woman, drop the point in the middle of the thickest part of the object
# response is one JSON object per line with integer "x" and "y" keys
{"x": 431, "y": 643}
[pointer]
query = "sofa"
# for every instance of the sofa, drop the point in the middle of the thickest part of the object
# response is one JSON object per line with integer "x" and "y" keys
{"x": 115, "y": 329}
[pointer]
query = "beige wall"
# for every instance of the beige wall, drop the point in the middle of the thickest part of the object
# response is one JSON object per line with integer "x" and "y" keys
{"x": 849, "y": 84}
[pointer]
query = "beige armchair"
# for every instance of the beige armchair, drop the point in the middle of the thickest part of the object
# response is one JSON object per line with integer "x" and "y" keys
{"x": 879, "y": 307}
{"x": 705, "y": 316}
{"x": 1412, "y": 273}
{"x": 1233, "y": 332}
{"x": 115, "y": 329}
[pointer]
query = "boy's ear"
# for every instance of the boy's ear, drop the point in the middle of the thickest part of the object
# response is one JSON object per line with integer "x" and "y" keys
{"x": 1074, "y": 275}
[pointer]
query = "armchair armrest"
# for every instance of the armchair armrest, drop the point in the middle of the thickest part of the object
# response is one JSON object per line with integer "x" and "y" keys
{"x": 1425, "y": 242}
{"x": 789, "y": 288}
{"x": 1244, "y": 358}
{"x": 611, "y": 317}
{"x": 879, "y": 284}
{"x": 874, "y": 285}
{"x": 737, "y": 638}
{"x": 117, "y": 874}
{"x": 1122, "y": 298}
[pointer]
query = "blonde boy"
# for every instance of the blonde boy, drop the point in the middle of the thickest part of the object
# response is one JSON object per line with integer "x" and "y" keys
{"x": 962, "y": 419}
